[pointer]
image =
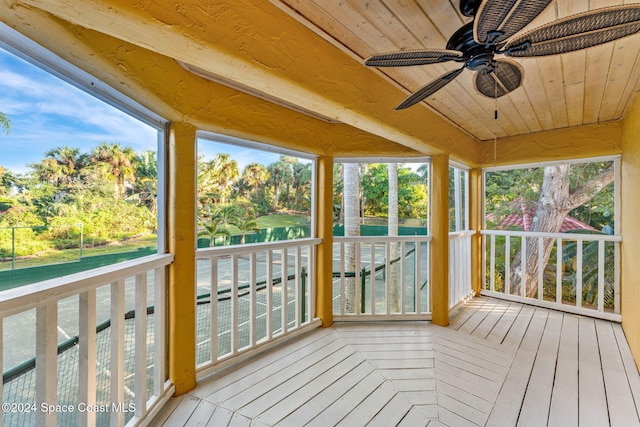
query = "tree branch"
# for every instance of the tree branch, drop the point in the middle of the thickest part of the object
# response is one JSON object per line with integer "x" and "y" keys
{"x": 586, "y": 191}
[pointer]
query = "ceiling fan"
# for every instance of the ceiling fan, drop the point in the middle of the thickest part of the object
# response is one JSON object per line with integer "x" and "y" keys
{"x": 494, "y": 31}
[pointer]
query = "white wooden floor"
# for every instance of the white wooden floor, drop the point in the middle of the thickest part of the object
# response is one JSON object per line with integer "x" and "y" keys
{"x": 497, "y": 364}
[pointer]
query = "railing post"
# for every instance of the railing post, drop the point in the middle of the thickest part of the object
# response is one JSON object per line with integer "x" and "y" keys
{"x": 46, "y": 362}
{"x": 363, "y": 284}
{"x": 303, "y": 296}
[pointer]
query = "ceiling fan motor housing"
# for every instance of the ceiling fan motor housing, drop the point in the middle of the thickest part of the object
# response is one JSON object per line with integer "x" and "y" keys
{"x": 477, "y": 57}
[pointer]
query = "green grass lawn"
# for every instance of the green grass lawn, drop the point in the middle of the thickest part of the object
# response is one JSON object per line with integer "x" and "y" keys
{"x": 57, "y": 256}
{"x": 281, "y": 220}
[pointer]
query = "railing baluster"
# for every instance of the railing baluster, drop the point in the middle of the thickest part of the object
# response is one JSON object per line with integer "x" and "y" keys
{"x": 523, "y": 266}
{"x": 252, "y": 299}
{"x": 213, "y": 309}
{"x": 87, "y": 355}
{"x": 46, "y": 362}
{"x": 616, "y": 279}
{"x": 159, "y": 332}
{"x": 507, "y": 265}
{"x": 492, "y": 262}
{"x": 269, "y": 279}
{"x": 235, "y": 323}
{"x": 298, "y": 287}
{"x": 387, "y": 276}
{"x": 403, "y": 288}
{"x": 540, "y": 268}
{"x": 357, "y": 308}
{"x": 579, "y": 273}
{"x": 343, "y": 296}
{"x": 117, "y": 351}
{"x": 601, "y": 253}
{"x": 417, "y": 283}
{"x": 285, "y": 290}
{"x": 372, "y": 276}
{"x": 140, "y": 361}
{"x": 559, "y": 270}
{"x": 311, "y": 282}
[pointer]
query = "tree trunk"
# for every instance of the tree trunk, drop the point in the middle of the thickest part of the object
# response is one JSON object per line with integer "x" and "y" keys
{"x": 393, "y": 231}
{"x": 554, "y": 204}
{"x": 351, "y": 205}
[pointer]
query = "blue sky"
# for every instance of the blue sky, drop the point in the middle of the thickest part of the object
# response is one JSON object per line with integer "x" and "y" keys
{"x": 46, "y": 112}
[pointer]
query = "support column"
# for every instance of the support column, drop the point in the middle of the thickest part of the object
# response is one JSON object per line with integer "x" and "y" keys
{"x": 475, "y": 223}
{"x": 324, "y": 267}
{"x": 182, "y": 243}
{"x": 439, "y": 224}
{"x": 630, "y": 229}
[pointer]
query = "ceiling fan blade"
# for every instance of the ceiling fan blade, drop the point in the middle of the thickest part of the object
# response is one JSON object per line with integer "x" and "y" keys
{"x": 497, "y": 20}
{"x": 429, "y": 89}
{"x": 505, "y": 77}
{"x": 578, "y": 31}
{"x": 413, "y": 57}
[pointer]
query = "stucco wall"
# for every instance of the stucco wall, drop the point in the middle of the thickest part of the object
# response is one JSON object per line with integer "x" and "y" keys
{"x": 630, "y": 229}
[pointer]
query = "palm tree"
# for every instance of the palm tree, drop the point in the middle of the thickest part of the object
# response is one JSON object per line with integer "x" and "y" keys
{"x": 61, "y": 166}
{"x": 146, "y": 181}
{"x": 351, "y": 196}
{"x": 214, "y": 226}
{"x": 254, "y": 178}
{"x": 117, "y": 163}
{"x": 5, "y": 123}
{"x": 392, "y": 169}
{"x": 245, "y": 224}
{"x": 216, "y": 178}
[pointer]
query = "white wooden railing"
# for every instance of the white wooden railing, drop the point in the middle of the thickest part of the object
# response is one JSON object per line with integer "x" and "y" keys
{"x": 254, "y": 293}
{"x": 106, "y": 292}
{"x": 381, "y": 284}
{"x": 590, "y": 267}
{"x": 459, "y": 267}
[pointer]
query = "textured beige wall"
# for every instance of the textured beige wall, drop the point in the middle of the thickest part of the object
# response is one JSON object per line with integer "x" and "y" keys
{"x": 630, "y": 229}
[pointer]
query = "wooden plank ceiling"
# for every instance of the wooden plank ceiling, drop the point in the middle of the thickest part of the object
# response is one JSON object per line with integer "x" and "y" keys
{"x": 590, "y": 86}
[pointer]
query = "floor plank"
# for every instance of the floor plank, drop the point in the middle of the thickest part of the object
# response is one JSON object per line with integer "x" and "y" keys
{"x": 592, "y": 399}
{"x": 537, "y": 400}
{"x": 622, "y": 410}
{"x": 507, "y": 406}
{"x": 564, "y": 397}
